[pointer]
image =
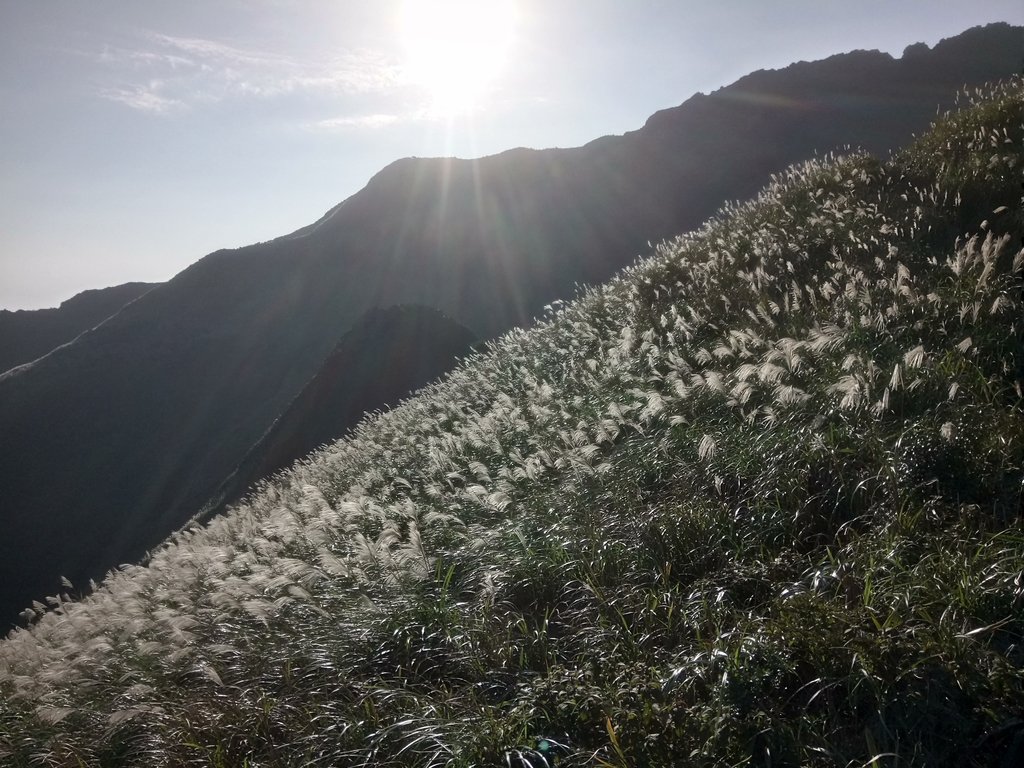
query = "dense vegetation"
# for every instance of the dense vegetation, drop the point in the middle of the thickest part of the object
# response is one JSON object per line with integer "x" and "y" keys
{"x": 757, "y": 501}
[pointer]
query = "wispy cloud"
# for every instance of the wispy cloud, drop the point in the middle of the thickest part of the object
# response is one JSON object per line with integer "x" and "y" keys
{"x": 163, "y": 73}
{"x": 375, "y": 120}
{"x": 144, "y": 98}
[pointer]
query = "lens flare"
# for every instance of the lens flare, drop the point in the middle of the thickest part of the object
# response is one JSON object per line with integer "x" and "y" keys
{"x": 456, "y": 50}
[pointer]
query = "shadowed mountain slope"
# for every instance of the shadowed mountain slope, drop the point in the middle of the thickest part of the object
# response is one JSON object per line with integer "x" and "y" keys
{"x": 386, "y": 355}
{"x": 113, "y": 441}
{"x": 28, "y": 334}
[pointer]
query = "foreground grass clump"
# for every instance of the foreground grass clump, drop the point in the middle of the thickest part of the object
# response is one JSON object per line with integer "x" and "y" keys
{"x": 755, "y": 502}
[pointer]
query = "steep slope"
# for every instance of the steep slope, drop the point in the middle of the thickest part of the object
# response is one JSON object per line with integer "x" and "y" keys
{"x": 385, "y": 356}
{"x": 28, "y": 334}
{"x": 116, "y": 439}
{"x": 757, "y": 501}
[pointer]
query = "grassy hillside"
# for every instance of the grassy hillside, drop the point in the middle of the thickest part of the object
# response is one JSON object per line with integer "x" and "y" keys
{"x": 757, "y": 501}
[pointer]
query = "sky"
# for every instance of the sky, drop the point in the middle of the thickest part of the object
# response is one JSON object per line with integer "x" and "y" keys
{"x": 136, "y": 136}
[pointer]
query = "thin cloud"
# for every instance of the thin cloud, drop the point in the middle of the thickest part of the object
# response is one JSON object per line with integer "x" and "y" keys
{"x": 377, "y": 120}
{"x": 145, "y": 98}
{"x": 197, "y": 48}
{"x": 372, "y": 120}
{"x": 116, "y": 56}
{"x": 165, "y": 73}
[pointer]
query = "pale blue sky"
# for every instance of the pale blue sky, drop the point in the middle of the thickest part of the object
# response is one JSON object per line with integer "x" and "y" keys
{"x": 138, "y": 135}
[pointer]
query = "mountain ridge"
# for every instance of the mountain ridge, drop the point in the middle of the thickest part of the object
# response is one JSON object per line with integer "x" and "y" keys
{"x": 27, "y": 334}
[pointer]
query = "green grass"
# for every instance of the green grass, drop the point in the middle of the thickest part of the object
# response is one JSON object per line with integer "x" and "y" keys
{"x": 756, "y": 502}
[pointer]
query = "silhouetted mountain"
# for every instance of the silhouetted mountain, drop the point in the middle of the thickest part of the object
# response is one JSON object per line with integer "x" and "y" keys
{"x": 30, "y": 333}
{"x": 114, "y": 440}
{"x": 386, "y": 355}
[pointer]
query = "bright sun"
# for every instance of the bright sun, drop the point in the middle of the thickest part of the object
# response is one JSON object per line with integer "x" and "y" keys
{"x": 456, "y": 49}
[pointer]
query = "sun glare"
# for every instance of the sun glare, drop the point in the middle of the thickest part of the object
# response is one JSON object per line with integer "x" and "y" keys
{"x": 457, "y": 49}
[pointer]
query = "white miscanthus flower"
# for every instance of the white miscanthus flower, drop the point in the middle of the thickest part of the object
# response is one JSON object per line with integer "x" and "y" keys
{"x": 706, "y": 448}
{"x": 914, "y": 358}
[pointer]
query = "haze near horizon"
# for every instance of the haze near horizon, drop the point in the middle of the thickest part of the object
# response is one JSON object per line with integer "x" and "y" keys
{"x": 139, "y": 138}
